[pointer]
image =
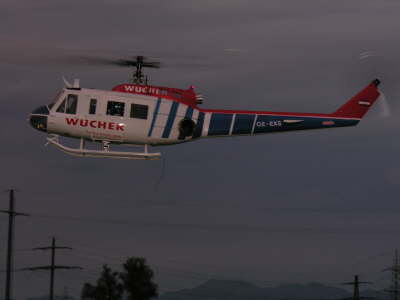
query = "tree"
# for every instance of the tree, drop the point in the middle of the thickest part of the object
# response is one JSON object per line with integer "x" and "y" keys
{"x": 137, "y": 279}
{"x": 108, "y": 287}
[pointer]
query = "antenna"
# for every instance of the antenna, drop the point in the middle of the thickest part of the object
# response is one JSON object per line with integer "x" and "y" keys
{"x": 10, "y": 245}
{"x": 52, "y": 267}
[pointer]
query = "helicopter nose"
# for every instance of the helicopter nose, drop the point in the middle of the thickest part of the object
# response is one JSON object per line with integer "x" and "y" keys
{"x": 38, "y": 118}
{"x": 38, "y": 122}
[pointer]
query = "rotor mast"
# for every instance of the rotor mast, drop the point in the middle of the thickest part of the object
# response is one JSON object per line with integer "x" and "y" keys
{"x": 138, "y": 75}
{"x": 139, "y": 63}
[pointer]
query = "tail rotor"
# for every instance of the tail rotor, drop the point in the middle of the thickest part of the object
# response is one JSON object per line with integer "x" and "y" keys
{"x": 372, "y": 64}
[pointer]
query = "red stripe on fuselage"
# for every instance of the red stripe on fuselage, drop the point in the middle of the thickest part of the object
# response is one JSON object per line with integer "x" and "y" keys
{"x": 270, "y": 113}
{"x": 122, "y": 88}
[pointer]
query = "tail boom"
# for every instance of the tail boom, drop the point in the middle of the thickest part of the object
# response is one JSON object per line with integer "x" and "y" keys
{"x": 231, "y": 122}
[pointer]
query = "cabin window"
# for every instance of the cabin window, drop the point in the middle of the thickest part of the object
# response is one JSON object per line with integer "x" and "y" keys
{"x": 115, "y": 108}
{"x": 139, "y": 111}
{"x": 69, "y": 104}
{"x": 72, "y": 104}
{"x": 92, "y": 106}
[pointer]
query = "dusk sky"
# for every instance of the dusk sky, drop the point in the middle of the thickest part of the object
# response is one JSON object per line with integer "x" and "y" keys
{"x": 296, "y": 207}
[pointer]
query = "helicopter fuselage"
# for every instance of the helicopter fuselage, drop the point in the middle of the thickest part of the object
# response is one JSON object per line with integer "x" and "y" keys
{"x": 148, "y": 115}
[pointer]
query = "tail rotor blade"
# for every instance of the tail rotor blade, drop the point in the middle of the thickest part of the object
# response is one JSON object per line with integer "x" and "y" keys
{"x": 384, "y": 106}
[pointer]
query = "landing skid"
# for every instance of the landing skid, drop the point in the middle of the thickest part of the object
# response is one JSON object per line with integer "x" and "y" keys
{"x": 105, "y": 153}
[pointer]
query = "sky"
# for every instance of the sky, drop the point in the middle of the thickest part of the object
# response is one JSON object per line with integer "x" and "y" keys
{"x": 294, "y": 207}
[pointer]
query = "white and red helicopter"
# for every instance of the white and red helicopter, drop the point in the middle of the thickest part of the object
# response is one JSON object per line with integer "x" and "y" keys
{"x": 141, "y": 114}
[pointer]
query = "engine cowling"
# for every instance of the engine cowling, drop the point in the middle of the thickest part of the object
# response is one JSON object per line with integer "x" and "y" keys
{"x": 186, "y": 127}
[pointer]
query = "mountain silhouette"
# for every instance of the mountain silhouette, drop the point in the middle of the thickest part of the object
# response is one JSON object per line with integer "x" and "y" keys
{"x": 214, "y": 289}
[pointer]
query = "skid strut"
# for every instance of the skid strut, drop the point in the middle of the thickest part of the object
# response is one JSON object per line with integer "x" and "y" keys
{"x": 105, "y": 153}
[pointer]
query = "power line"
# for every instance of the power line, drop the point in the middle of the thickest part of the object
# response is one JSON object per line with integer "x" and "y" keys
{"x": 228, "y": 227}
{"x": 52, "y": 267}
{"x": 10, "y": 245}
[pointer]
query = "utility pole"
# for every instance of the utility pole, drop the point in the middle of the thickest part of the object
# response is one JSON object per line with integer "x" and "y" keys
{"x": 52, "y": 267}
{"x": 395, "y": 269}
{"x": 10, "y": 245}
{"x": 356, "y": 291}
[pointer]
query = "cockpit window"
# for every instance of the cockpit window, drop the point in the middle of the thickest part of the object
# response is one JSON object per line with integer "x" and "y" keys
{"x": 69, "y": 104}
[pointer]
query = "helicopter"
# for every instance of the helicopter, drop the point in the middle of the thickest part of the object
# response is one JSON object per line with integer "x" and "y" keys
{"x": 140, "y": 114}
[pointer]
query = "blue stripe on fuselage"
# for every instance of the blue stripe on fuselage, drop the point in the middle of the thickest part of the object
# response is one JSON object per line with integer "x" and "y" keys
{"x": 265, "y": 123}
{"x": 220, "y": 124}
{"x": 243, "y": 124}
{"x": 170, "y": 120}
{"x": 153, "y": 122}
{"x": 189, "y": 112}
{"x": 199, "y": 126}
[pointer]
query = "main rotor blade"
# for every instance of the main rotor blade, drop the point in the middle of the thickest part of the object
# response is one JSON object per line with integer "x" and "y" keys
{"x": 26, "y": 54}
{"x": 101, "y": 61}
